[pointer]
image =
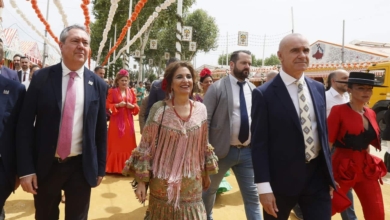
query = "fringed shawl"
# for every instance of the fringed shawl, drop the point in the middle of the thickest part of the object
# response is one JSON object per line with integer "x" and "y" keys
{"x": 181, "y": 149}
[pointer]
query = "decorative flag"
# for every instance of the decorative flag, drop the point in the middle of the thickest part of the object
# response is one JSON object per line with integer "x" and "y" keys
{"x": 137, "y": 53}
{"x": 187, "y": 33}
{"x": 192, "y": 46}
{"x": 153, "y": 44}
{"x": 242, "y": 38}
{"x": 167, "y": 55}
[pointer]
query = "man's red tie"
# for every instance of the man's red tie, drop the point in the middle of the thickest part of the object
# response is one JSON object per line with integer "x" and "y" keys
{"x": 65, "y": 136}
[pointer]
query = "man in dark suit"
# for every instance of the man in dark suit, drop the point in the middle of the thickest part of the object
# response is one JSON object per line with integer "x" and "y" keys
{"x": 66, "y": 149}
{"x": 6, "y": 72}
{"x": 290, "y": 149}
{"x": 156, "y": 93}
{"x": 11, "y": 98}
{"x": 17, "y": 66}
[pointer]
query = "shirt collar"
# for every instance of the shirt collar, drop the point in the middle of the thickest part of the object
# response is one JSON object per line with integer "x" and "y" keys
{"x": 334, "y": 93}
{"x": 288, "y": 80}
{"x": 234, "y": 80}
{"x": 66, "y": 71}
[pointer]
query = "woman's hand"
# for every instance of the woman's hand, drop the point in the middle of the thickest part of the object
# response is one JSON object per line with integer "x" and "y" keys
{"x": 129, "y": 105}
{"x": 206, "y": 182}
{"x": 121, "y": 104}
{"x": 140, "y": 192}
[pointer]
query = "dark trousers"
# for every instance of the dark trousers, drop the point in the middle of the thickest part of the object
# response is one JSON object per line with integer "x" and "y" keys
{"x": 314, "y": 200}
{"x": 67, "y": 176}
{"x": 5, "y": 189}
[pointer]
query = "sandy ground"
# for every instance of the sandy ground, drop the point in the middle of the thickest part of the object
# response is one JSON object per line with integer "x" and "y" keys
{"x": 115, "y": 200}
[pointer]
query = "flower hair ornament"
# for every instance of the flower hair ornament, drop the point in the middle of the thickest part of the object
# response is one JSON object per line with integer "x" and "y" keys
{"x": 123, "y": 72}
{"x": 205, "y": 72}
{"x": 164, "y": 85}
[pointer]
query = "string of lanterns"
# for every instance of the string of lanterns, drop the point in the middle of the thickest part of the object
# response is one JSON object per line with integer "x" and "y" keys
{"x": 129, "y": 22}
{"x": 150, "y": 20}
{"x": 14, "y": 5}
{"x": 43, "y": 20}
{"x": 62, "y": 12}
{"x": 84, "y": 6}
{"x": 111, "y": 14}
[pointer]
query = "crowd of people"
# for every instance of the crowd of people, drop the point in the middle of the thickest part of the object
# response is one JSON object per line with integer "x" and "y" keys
{"x": 291, "y": 144}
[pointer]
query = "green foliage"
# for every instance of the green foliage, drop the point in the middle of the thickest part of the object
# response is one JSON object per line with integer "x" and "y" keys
{"x": 269, "y": 61}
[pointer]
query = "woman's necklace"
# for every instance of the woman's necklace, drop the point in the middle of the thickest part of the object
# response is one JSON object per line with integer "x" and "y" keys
{"x": 189, "y": 116}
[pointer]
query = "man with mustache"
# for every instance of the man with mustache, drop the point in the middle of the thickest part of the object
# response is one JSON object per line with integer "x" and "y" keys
{"x": 290, "y": 149}
{"x": 228, "y": 102}
{"x": 66, "y": 148}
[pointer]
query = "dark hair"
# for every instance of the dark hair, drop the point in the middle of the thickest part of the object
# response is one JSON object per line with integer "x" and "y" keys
{"x": 204, "y": 77}
{"x": 64, "y": 33}
{"x": 329, "y": 81}
{"x": 17, "y": 55}
{"x": 98, "y": 68}
{"x": 170, "y": 71}
{"x": 172, "y": 60}
{"x": 234, "y": 56}
{"x": 23, "y": 58}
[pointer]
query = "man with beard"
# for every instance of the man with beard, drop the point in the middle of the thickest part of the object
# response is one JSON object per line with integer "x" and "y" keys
{"x": 290, "y": 148}
{"x": 228, "y": 102}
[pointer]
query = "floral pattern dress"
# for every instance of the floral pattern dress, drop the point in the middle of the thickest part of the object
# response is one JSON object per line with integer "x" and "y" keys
{"x": 174, "y": 168}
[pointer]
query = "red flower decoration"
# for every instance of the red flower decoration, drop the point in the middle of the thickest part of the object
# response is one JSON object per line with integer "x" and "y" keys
{"x": 164, "y": 84}
{"x": 123, "y": 72}
{"x": 205, "y": 72}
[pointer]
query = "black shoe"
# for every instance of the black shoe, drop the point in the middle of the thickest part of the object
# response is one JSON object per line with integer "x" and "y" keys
{"x": 387, "y": 161}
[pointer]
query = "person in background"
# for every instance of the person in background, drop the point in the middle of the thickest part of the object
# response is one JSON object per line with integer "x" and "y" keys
{"x": 271, "y": 75}
{"x": 33, "y": 68}
{"x": 176, "y": 166}
{"x": 156, "y": 93}
{"x": 228, "y": 102}
{"x": 121, "y": 102}
{"x": 61, "y": 134}
{"x": 25, "y": 71}
{"x": 142, "y": 111}
{"x": 4, "y": 71}
{"x": 140, "y": 92}
{"x": 100, "y": 71}
{"x": 352, "y": 129}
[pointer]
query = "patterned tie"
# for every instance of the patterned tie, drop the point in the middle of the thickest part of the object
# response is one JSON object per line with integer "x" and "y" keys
{"x": 244, "y": 127}
{"x": 310, "y": 151}
{"x": 65, "y": 136}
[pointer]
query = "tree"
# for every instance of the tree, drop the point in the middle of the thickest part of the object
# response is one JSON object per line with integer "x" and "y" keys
{"x": 222, "y": 59}
{"x": 165, "y": 23}
{"x": 272, "y": 60}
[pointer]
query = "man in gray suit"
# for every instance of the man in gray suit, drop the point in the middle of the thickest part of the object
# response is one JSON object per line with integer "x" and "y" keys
{"x": 228, "y": 102}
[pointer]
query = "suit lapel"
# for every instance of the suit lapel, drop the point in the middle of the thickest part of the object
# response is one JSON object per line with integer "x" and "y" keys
{"x": 285, "y": 98}
{"x": 229, "y": 92}
{"x": 88, "y": 90}
{"x": 56, "y": 82}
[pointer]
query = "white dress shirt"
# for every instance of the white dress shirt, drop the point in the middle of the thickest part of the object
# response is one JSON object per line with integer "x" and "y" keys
{"x": 292, "y": 89}
{"x": 334, "y": 98}
{"x": 236, "y": 116}
{"x": 77, "y": 132}
{"x": 26, "y": 83}
{"x": 27, "y": 72}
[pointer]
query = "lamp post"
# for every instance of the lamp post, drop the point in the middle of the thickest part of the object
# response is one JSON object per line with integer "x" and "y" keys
{"x": 45, "y": 44}
{"x": 179, "y": 28}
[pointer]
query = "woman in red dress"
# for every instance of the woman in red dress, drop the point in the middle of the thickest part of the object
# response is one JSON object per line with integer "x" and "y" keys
{"x": 122, "y": 103}
{"x": 352, "y": 129}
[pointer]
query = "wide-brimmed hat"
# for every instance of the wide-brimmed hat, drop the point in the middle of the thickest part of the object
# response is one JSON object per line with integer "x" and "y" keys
{"x": 362, "y": 78}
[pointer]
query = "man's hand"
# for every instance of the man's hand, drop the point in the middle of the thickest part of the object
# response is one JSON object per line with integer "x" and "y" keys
{"x": 99, "y": 180}
{"x": 268, "y": 202}
{"x": 30, "y": 184}
{"x": 331, "y": 189}
{"x": 206, "y": 182}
